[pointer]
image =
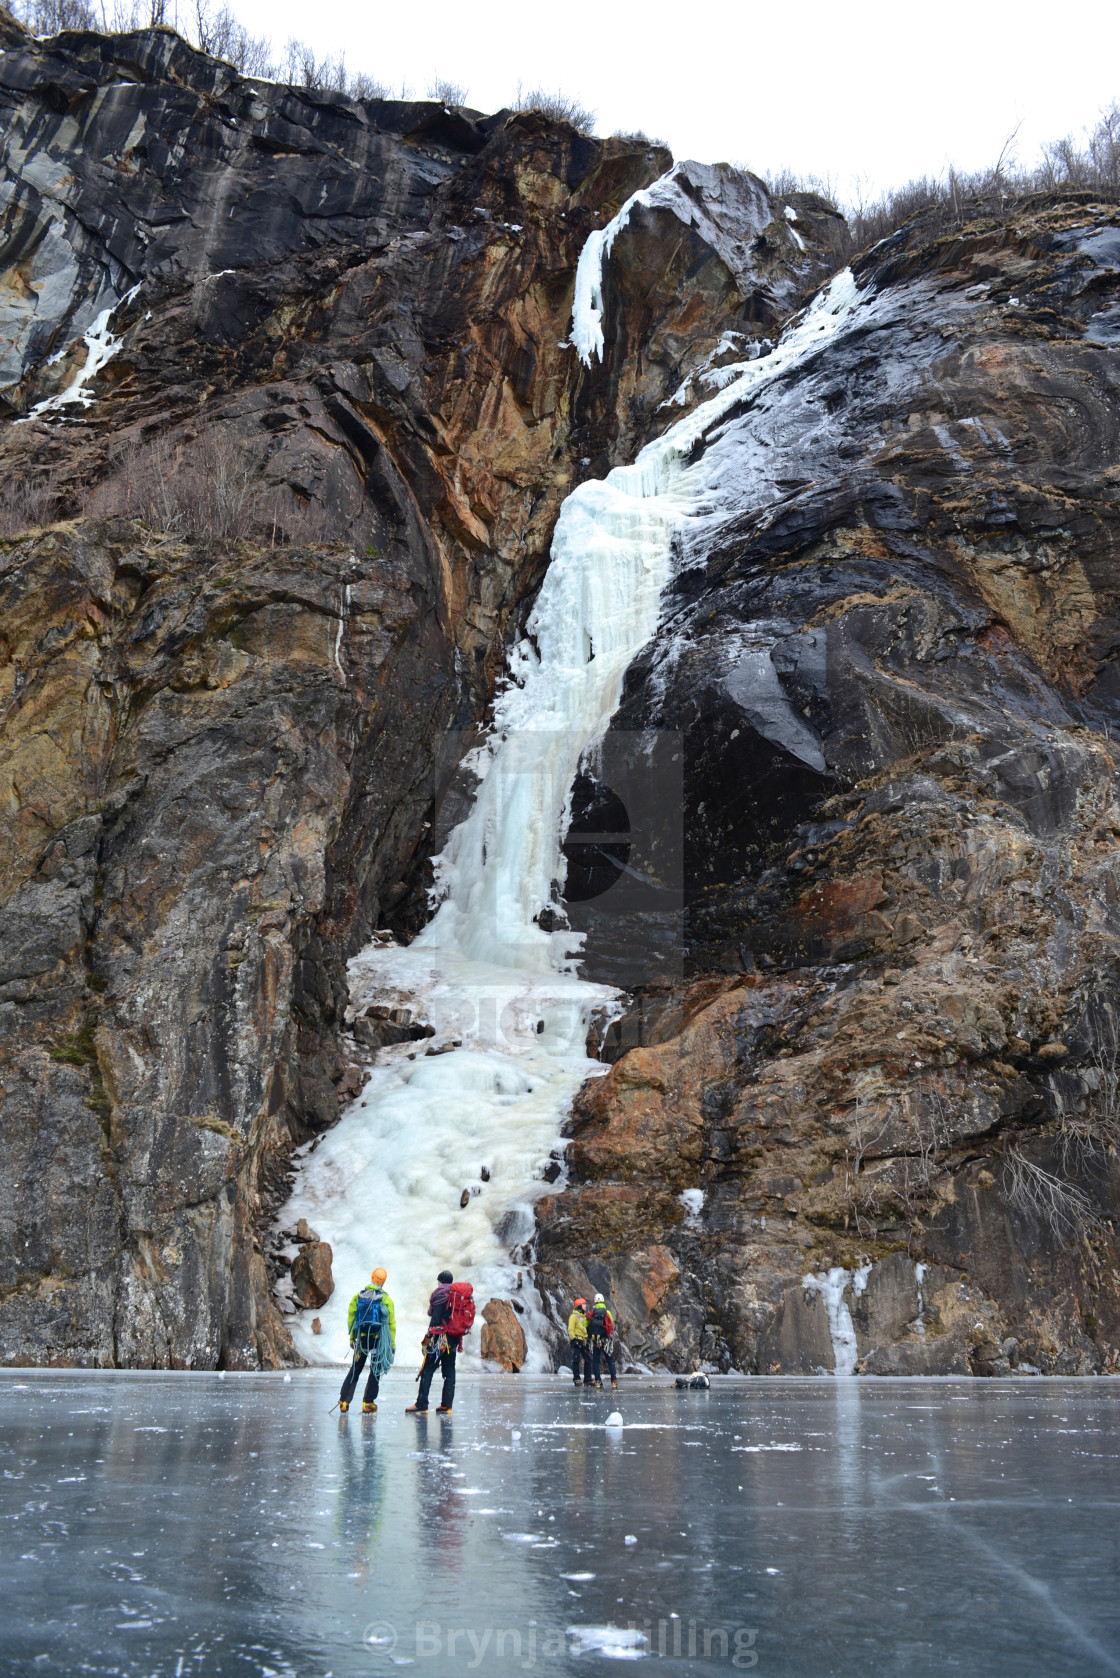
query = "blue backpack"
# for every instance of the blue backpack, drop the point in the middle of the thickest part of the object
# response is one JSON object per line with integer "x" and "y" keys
{"x": 371, "y": 1318}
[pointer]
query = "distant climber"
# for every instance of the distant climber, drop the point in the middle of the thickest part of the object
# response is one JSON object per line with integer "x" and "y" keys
{"x": 600, "y": 1337}
{"x": 372, "y": 1322}
{"x": 450, "y": 1316}
{"x": 577, "y": 1343}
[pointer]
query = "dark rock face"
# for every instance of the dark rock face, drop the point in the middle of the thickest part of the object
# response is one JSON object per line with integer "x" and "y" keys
{"x": 132, "y": 156}
{"x": 310, "y": 496}
{"x": 185, "y": 743}
{"x": 891, "y": 657}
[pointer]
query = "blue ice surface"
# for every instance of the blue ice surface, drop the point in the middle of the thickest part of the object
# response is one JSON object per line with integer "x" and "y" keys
{"x": 172, "y": 1525}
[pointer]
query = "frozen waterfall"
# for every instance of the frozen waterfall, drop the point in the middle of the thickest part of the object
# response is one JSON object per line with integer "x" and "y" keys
{"x": 477, "y": 1123}
{"x": 832, "y": 1286}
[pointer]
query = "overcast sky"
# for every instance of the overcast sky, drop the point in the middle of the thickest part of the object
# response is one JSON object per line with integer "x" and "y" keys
{"x": 864, "y": 94}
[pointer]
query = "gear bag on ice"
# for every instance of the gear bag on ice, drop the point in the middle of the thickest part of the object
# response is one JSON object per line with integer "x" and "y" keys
{"x": 460, "y": 1309}
{"x": 371, "y": 1319}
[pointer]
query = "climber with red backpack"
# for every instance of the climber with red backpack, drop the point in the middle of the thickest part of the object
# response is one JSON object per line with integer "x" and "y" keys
{"x": 450, "y": 1316}
{"x": 600, "y": 1337}
{"x": 372, "y": 1323}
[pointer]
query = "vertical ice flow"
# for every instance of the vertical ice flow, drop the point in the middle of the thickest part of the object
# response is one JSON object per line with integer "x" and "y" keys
{"x": 478, "y": 1122}
{"x": 832, "y": 1285}
{"x": 920, "y": 1319}
{"x": 587, "y": 309}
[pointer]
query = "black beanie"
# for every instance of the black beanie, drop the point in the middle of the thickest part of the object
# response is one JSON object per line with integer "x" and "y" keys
{"x": 445, "y": 1276}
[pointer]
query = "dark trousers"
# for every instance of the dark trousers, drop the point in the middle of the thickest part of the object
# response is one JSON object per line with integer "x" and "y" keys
{"x": 446, "y": 1364}
{"x": 351, "y": 1381}
{"x": 581, "y": 1359}
{"x": 604, "y": 1347}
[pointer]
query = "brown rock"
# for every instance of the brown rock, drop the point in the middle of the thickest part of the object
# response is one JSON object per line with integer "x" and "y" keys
{"x": 839, "y": 916}
{"x": 316, "y": 1325}
{"x": 312, "y": 1281}
{"x": 503, "y": 1338}
{"x": 304, "y": 1231}
{"x": 350, "y": 1084}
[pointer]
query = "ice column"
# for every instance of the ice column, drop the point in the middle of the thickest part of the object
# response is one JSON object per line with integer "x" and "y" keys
{"x": 831, "y": 1285}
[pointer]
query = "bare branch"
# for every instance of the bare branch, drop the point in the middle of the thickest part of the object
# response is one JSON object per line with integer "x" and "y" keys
{"x": 1061, "y": 1205}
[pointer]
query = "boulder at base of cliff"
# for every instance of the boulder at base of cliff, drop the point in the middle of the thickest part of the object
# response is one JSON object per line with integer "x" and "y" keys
{"x": 503, "y": 1338}
{"x": 312, "y": 1281}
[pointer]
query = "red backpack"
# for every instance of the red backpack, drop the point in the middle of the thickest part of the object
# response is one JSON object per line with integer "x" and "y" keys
{"x": 460, "y": 1309}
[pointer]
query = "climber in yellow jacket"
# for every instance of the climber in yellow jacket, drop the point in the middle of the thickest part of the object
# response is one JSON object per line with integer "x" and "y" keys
{"x": 577, "y": 1342}
{"x": 372, "y": 1324}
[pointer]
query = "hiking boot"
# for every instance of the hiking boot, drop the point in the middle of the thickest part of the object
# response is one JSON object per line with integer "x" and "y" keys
{"x": 416, "y": 1410}
{"x": 443, "y": 1409}
{"x": 369, "y": 1409}
{"x": 344, "y": 1405}
{"x": 614, "y": 1384}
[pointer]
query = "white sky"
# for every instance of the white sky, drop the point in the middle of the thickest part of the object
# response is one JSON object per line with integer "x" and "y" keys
{"x": 863, "y": 93}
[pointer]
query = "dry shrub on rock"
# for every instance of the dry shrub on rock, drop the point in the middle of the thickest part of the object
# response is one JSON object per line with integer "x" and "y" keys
{"x": 448, "y": 92}
{"x": 26, "y": 502}
{"x": 1056, "y": 1202}
{"x": 208, "y": 493}
{"x": 561, "y": 107}
{"x": 958, "y": 197}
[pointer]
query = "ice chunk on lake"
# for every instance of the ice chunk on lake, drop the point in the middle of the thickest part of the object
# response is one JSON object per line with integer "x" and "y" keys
{"x": 617, "y": 1643}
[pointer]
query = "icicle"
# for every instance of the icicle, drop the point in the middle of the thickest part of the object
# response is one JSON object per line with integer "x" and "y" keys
{"x": 920, "y": 1320}
{"x": 587, "y": 306}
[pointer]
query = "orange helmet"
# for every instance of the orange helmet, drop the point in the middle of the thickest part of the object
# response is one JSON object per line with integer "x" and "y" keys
{"x": 580, "y": 1302}
{"x": 378, "y": 1276}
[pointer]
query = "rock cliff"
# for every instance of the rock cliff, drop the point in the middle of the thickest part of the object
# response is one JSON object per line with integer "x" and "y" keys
{"x": 290, "y": 411}
{"x": 891, "y": 657}
{"x": 293, "y": 372}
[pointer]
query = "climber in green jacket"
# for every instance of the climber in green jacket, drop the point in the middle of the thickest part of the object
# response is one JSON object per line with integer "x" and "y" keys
{"x": 372, "y": 1324}
{"x": 578, "y": 1348}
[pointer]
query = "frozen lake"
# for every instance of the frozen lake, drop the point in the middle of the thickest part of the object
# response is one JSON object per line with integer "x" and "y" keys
{"x": 179, "y": 1525}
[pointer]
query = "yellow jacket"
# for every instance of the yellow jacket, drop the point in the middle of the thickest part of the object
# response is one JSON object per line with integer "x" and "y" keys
{"x": 352, "y": 1314}
{"x": 577, "y": 1326}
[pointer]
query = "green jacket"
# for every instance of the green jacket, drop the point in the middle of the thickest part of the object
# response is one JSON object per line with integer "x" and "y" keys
{"x": 577, "y": 1326}
{"x": 351, "y": 1316}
